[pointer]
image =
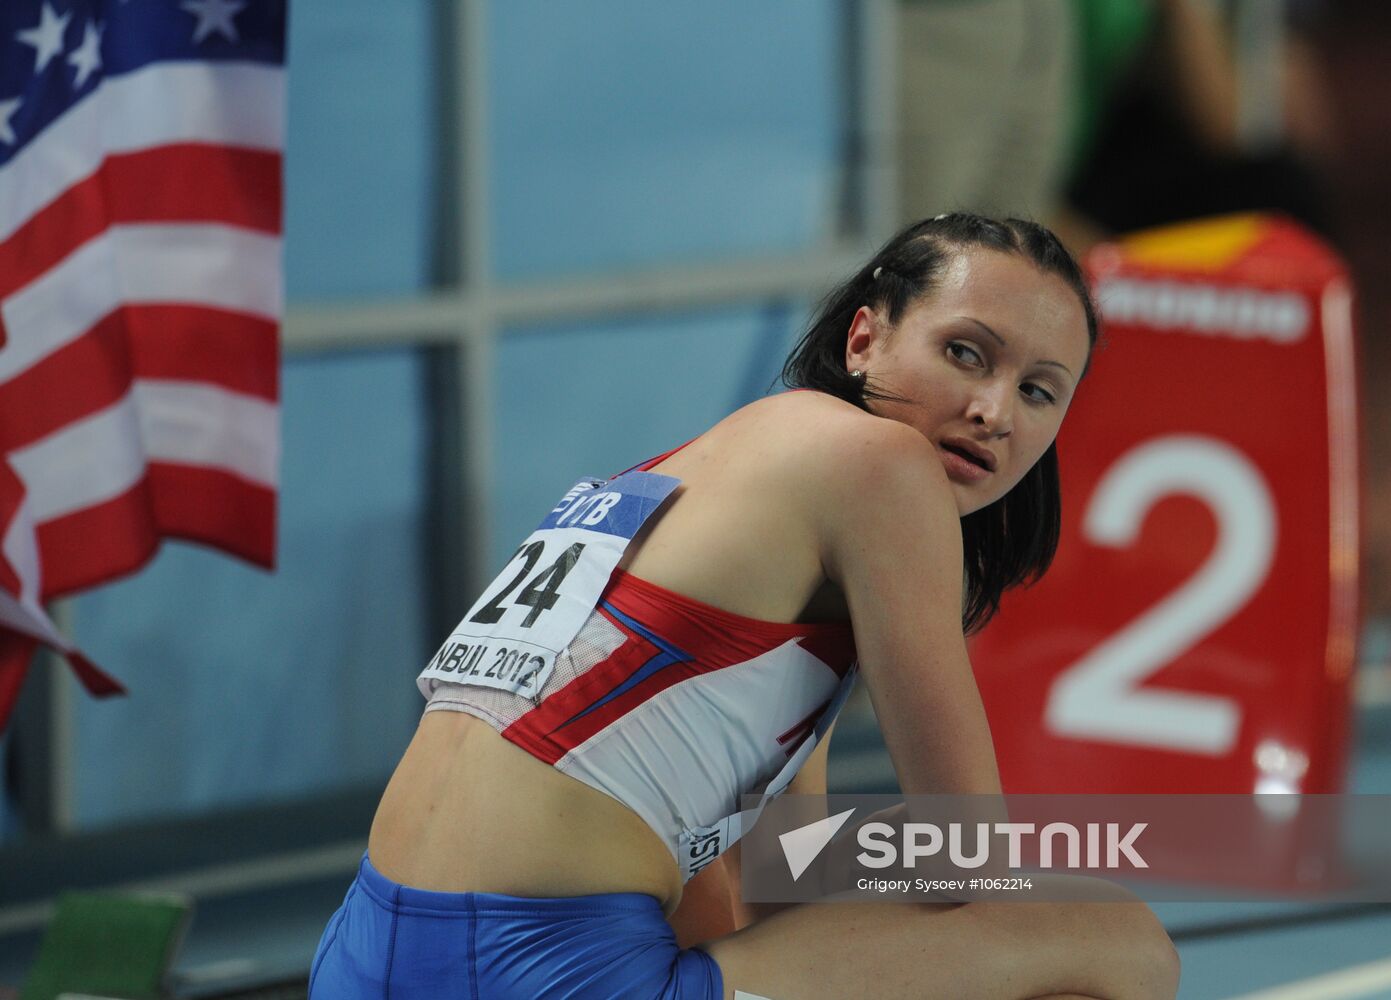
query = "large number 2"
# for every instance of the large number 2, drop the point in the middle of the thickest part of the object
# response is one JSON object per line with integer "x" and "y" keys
{"x": 1099, "y": 697}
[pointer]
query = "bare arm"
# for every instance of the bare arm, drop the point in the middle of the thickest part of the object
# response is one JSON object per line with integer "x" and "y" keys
{"x": 891, "y": 539}
{"x": 881, "y": 514}
{"x": 893, "y": 544}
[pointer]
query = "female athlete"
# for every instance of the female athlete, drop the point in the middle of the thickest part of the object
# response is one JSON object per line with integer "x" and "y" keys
{"x": 669, "y": 637}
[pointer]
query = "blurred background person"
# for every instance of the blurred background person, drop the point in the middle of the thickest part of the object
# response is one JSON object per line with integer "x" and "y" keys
{"x": 984, "y": 99}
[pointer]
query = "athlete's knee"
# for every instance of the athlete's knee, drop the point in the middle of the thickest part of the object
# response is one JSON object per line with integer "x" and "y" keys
{"x": 1116, "y": 949}
{"x": 1154, "y": 952}
{"x": 1146, "y": 963}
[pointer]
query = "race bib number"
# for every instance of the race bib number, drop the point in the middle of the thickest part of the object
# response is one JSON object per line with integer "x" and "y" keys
{"x": 533, "y": 609}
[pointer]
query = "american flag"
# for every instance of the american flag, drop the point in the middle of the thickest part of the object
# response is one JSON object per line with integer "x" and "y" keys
{"x": 140, "y": 295}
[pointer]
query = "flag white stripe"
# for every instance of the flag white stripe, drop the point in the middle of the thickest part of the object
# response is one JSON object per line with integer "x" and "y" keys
{"x": 23, "y": 612}
{"x": 86, "y": 462}
{"x": 210, "y": 265}
{"x": 194, "y": 423}
{"x": 97, "y": 458}
{"x": 226, "y": 104}
{"x": 21, "y": 551}
{"x": 30, "y": 620}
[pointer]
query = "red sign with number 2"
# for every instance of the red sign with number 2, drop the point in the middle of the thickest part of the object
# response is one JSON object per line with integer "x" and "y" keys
{"x": 1198, "y": 627}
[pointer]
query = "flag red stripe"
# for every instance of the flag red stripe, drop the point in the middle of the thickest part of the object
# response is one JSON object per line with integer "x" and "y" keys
{"x": 216, "y": 508}
{"x": 99, "y": 543}
{"x": 108, "y": 540}
{"x": 178, "y": 183}
{"x": 97, "y": 681}
{"x": 16, "y": 657}
{"x": 190, "y": 343}
{"x": 233, "y": 350}
{"x": 197, "y": 182}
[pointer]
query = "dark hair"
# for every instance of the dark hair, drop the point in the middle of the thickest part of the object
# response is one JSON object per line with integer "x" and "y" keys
{"x": 1013, "y": 540}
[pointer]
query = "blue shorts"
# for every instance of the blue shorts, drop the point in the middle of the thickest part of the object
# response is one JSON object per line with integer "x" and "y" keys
{"x": 392, "y": 942}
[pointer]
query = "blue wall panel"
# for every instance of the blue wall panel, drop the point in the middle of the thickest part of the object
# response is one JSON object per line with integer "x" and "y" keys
{"x": 596, "y": 398}
{"x": 631, "y": 134}
{"x": 360, "y": 148}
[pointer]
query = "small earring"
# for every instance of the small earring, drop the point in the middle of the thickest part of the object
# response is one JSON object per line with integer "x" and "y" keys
{"x": 857, "y": 374}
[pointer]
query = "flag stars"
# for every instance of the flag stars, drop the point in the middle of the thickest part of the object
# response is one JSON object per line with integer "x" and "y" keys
{"x": 214, "y": 16}
{"x": 46, "y": 37}
{"x": 7, "y": 110}
{"x": 86, "y": 58}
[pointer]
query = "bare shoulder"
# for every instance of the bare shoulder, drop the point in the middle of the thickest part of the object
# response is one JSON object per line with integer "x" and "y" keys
{"x": 886, "y": 527}
{"x": 796, "y": 490}
{"x": 818, "y": 434}
{"x": 855, "y": 474}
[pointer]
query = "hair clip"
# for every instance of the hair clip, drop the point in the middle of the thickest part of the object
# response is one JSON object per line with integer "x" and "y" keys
{"x": 877, "y": 271}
